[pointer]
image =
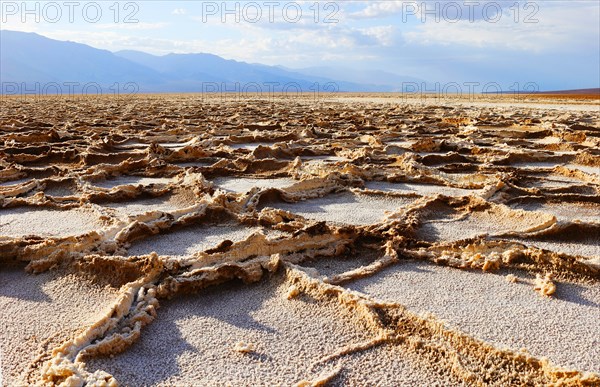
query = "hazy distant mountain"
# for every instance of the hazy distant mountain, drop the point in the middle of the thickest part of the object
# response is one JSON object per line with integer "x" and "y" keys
{"x": 205, "y": 67}
{"x": 31, "y": 58}
{"x": 212, "y": 68}
{"x": 384, "y": 79}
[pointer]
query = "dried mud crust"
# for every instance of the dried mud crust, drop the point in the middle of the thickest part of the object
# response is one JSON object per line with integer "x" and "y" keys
{"x": 298, "y": 241}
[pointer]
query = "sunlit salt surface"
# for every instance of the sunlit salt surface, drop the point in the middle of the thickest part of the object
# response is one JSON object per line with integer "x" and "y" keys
{"x": 168, "y": 145}
{"x": 402, "y": 144}
{"x": 421, "y": 189}
{"x": 493, "y": 309}
{"x": 586, "y": 169}
{"x": 251, "y": 146}
{"x": 537, "y": 165}
{"x": 175, "y": 145}
{"x": 325, "y": 159}
{"x": 245, "y": 184}
{"x": 313, "y": 161}
{"x": 586, "y": 245}
{"x": 346, "y": 207}
{"x": 21, "y": 221}
{"x": 132, "y": 145}
{"x": 546, "y": 140}
{"x": 546, "y": 106}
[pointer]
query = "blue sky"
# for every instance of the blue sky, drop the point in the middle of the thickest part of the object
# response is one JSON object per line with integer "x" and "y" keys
{"x": 555, "y": 44}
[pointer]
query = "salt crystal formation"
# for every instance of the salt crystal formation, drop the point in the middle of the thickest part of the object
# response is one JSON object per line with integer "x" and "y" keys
{"x": 196, "y": 240}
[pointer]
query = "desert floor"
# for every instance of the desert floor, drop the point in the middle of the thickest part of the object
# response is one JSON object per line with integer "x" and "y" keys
{"x": 308, "y": 240}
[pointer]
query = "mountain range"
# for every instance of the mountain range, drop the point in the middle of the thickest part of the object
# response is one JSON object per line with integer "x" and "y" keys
{"x": 29, "y": 61}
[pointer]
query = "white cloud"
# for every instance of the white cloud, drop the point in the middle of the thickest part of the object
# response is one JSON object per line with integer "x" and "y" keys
{"x": 383, "y": 34}
{"x": 17, "y": 25}
{"x": 131, "y": 26}
{"x": 179, "y": 11}
{"x": 478, "y": 35}
{"x": 377, "y": 9}
{"x": 556, "y": 29}
{"x": 432, "y": 11}
{"x": 291, "y": 48}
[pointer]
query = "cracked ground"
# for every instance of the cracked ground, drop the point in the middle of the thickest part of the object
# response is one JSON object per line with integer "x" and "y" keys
{"x": 347, "y": 240}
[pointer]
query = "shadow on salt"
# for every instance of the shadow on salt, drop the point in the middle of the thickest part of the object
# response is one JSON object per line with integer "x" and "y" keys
{"x": 445, "y": 224}
{"x": 131, "y": 180}
{"x": 43, "y": 310}
{"x": 193, "y": 342}
{"x": 168, "y": 203}
{"x": 189, "y": 240}
{"x": 565, "y": 212}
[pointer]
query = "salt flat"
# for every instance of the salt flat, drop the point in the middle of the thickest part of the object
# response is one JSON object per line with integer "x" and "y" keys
{"x": 450, "y": 242}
